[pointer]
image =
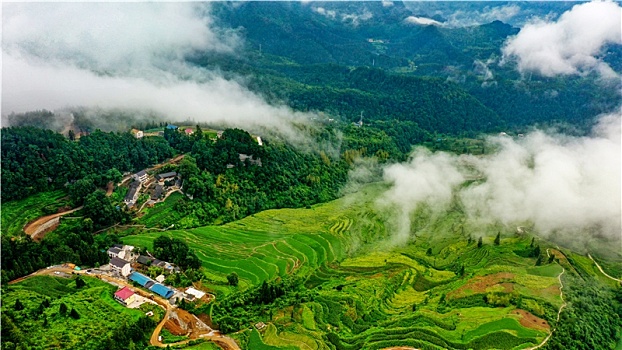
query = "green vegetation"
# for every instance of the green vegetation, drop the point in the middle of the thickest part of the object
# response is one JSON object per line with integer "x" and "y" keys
{"x": 16, "y": 214}
{"x": 92, "y": 319}
{"x": 327, "y": 276}
{"x": 168, "y": 337}
{"x": 36, "y": 160}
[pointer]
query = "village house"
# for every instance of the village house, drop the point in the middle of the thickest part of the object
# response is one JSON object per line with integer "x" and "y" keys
{"x": 195, "y": 293}
{"x": 132, "y": 194}
{"x": 141, "y": 176}
{"x": 243, "y": 158}
{"x": 125, "y": 296}
{"x": 137, "y": 133}
{"x": 189, "y": 131}
{"x": 157, "y": 192}
{"x": 121, "y": 266}
{"x": 113, "y": 252}
{"x": 166, "y": 176}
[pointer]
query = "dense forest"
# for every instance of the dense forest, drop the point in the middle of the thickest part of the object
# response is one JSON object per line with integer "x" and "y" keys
{"x": 36, "y": 160}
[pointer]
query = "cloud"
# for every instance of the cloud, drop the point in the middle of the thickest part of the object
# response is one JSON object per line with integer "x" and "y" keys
{"x": 426, "y": 178}
{"x": 386, "y": 3}
{"x": 461, "y": 14}
{"x": 353, "y": 18}
{"x": 568, "y": 188}
{"x": 421, "y": 21}
{"x": 571, "y": 44}
{"x": 126, "y": 56}
{"x": 488, "y": 14}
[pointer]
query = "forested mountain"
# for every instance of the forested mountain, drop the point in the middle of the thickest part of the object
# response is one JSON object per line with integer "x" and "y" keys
{"x": 324, "y": 45}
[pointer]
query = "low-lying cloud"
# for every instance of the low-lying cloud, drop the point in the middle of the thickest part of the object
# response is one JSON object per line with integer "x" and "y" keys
{"x": 457, "y": 14}
{"x": 125, "y": 56}
{"x": 570, "y": 45}
{"x": 352, "y": 18}
{"x": 424, "y": 21}
{"x": 568, "y": 188}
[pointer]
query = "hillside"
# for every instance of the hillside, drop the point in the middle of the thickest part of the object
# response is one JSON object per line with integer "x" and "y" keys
{"x": 346, "y": 286}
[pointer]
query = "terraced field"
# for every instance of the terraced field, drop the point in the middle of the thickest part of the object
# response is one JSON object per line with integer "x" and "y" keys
{"x": 362, "y": 292}
{"x": 16, "y": 214}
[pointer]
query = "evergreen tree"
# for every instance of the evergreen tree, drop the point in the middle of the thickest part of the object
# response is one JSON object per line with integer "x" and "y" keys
{"x": 74, "y": 314}
{"x": 80, "y": 283}
{"x": 62, "y": 309}
{"x": 539, "y": 261}
{"x": 233, "y": 279}
{"x": 479, "y": 242}
{"x": 498, "y": 238}
{"x": 428, "y": 252}
{"x": 18, "y": 305}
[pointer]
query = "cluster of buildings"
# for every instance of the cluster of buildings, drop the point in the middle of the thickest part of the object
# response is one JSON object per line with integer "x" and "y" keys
{"x": 141, "y": 180}
{"x": 122, "y": 257}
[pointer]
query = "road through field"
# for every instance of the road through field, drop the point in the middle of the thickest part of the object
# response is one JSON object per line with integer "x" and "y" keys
{"x": 602, "y": 271}
{"x": 214, "y": 336}
{"x": 561, "y": 295}
{"x": 32, "y": 229}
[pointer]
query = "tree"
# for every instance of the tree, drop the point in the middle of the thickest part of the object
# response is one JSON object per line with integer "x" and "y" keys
{"x": 18, "y": 305}
{"x": 71, "y": 135}
{"x": 80, "y": 283}
{"x": 536, "y": 251}
{"x": 233, "y": 279}
{"x": 62, "y": 309}
{"x": 479, "y": 242}
{"x": 532, "y": 240}
{"x": 74, "y": 314}
{"x": 461, "y": 271}
{"x": 551, "y": 258}
{"x": 99, "y": 208}
{"x": 428, "y": 252}
{"x": 498, "y": 238}
{"x": 539, "y": 261}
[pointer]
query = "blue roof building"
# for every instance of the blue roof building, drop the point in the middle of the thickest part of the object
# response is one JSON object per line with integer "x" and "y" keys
{"x": 162, "y": 290}
{"x": 141, "y": 279}
{"x": 172, "y": 127}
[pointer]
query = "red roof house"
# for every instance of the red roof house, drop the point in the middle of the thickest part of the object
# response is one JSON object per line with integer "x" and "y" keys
{"x": 124, "y": 295}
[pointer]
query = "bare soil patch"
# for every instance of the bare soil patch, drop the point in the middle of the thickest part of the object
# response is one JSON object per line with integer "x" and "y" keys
{"x": 480, "y": 284}
{"x": 529, "y": 320}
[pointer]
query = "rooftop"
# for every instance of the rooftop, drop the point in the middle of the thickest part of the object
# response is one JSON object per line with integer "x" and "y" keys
{"x": 124, "y": 293}
{"x": 140, "y": 279}
{"x": 162, "y": 290}
{"x": 117, "y": 262}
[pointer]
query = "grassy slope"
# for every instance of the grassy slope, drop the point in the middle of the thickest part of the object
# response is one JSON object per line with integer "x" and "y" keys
{"x": 16, "y": 214}
{"x": 365, "y": 288}
{"x": 99, "y": 314}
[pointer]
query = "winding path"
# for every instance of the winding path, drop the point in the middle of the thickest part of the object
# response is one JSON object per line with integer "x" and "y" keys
{"x": 214, "y": 336}
{"x": 602, "y": 271}
{"x": 33, "y": 229}
{"x": 561, "y": 295}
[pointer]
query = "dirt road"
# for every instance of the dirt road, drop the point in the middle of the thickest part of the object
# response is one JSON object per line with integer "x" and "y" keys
{"x": 212, "y": 335}
{"x": 561, "y": 295}
{"x": 602, "y": 271}
{"x": 35, "y": 228}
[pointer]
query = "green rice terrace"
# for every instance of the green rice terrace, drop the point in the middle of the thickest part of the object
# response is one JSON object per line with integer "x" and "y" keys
{"x": 358, "y": 291}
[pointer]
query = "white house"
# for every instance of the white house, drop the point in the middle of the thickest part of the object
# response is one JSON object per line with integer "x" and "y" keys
{"x": 141, "y": 176}
{"x": 138, "y": 133}
{"x": 121, "y": 266}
